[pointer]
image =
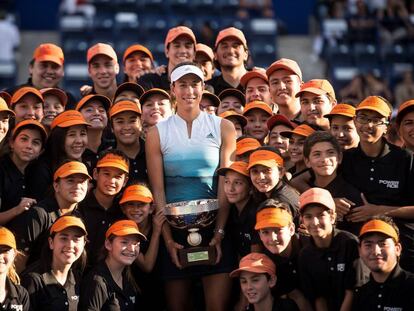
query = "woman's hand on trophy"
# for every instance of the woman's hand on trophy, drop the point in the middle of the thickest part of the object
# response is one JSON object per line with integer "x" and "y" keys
{"x": 216, "y": 242}
{"x": 173, "y": 248}
{"x": 158, "y": 220}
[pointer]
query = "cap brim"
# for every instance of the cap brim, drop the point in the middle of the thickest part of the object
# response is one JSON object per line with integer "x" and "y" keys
{"x": 50, "y": 58}
{"x": 72, "y": 123}
{"x": 331, "y": 115}
{"x": 73, "y": 172}
{"x": 138, "y": 198}
{"x": 237, "y": 272}
{"x": 222, "y": 171}
{"x": 113, "y": 164}
{"x": 312, "y": 90}
{"x": 123, "y": 110}
{"x": 381, "y": 112}
{"x": 267, "y": 163}
{"x": 129, "y": 231}
{"x": 271, "y": 70}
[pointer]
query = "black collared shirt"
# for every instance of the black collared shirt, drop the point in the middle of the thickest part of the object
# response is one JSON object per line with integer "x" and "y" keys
{"x": 287, "y": 270}
{"x": 219, "y": 85}
{"x": 16, "y": 298}
{"x": 279, "y": 305}
{"x": 12, "y": 184}
{"x": 100, "y": 292}
{"x": 138, "y": 166}
{"x": 395, "y": 294}
{"x": 154, "y": 80}
{"x": 386, "y": 180}
{"x": 90, "y": 158}
{"x": 241, "y": 227}
{"x": 46, "y": 293}
{"x": 328, "y": 272}
{"x": 97, "y": 220}
{"x": 39, "y": 178}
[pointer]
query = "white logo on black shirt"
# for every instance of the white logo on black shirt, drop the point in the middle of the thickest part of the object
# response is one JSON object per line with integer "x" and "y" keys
{"x": 16, "y": 307}
{"x": 393, "y": 184}
{"x": 340, "y": 267}
{"x": 392, "y": 309}
{"x": 74, "y": 297}
{"x": 132, "y": 298}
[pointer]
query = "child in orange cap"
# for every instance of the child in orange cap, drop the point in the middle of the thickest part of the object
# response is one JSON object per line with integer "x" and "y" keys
{"x": 27, "y": 103}
{"x": 276, "y": 124}
{"x": 68, "y": 139}
{"x": 245, "y": 145}
{"x": 54, "y": 281}
{"x": 110, "y": 286}
{"x": 257, "y": 275}
{"x": 405, "y": 123}
{"x": 136, "y": 204}
{"x": 266, "y": 173}
{"x": 137, "y": 61}
{"x": 14, "y": 296}
{"x": 70, "y": 184}
{"x": 274, "y": 223}
{"x": 238, "y": 121}
{"x": 5, "y": 116}
{"x": 257, "y": 113}
{"x": 55, "y": 102}
{"x": 231, "y": 99}
{"x": 328, "y": 265}
{"x": 100, "y": 207}
{"x": 27, "y": 141}
{"x": 204, "y": 57}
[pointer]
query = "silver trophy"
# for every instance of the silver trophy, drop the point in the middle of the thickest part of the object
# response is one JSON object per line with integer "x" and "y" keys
{"x": 191, "y": 216}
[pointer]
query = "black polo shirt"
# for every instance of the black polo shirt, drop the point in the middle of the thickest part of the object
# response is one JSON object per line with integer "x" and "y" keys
{"x": 138, "y": 165}
{"x": 46, "y": 293}
{"x": 241, "y": 227}
{"x": 386, "y": 180}
{"x": 39, "y": 178}
{"x": 396, "y": 293}
{"x": 97, "y": 220}
{"x": 31, "y": 228}
{"x": 279, "y": 304}
{"x": 328, "y": 272}
{"x": 153, "y": 80}
{"x": 71, "y": 104}
{"x": 16, "y": 298}
{"x": 12, "y": 184}
{"x": 90, "y": 158}
{"x": 340, "y": 188}
{"x": 100, "y": 292}
{"x": 219, "y": 85}
{"x": 287, "y": 270}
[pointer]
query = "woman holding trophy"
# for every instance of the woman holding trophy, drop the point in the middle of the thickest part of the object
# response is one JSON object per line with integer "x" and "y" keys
{"x": 183, "y": 154}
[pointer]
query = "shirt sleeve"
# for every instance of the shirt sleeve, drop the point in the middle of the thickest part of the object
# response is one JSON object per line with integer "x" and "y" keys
{"x": 306, "y": 281}
{"x": 94, "y": 294}
{"x": 32, "y": 283}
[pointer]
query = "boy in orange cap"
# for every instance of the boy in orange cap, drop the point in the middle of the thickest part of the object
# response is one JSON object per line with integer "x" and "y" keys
{"x": 342, "y": 125}
{"x": 274, "y": 223}
{"x": 317, "y": 98}
{"x": 257, "y": 113}
{"x": 180, "y": 46}
{"x": 231, "y": 53}
{"x": 405, "y": 123}
{"x": 383, "y": 173}
{"x": 256, "y": 84}
{"x": 137, "y": 61}
{"x": 257, "y": 275}
{"x": 245, "y": 145}
{"x": 327, "y": 265}
{"x": 55, "y": 101}
{"x": 389, "y": 287}
{"x": 27, "y": 103}
{"x": 99, "y": 209}
{"x": 276, "y": 124}
{"x": 204, "y": 57}
{"x": 285, "y": 79}
{"x": 5, "y": 116}
{"x": 238, "y": 121}
{"x": 103, "y": 68}
{"x": 231, "y": 99}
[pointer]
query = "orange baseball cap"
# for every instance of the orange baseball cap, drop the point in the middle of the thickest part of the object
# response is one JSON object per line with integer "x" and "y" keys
{"x": 316, "y": 196}
{"x": 272, "y": 218}
{"x": 5, "y": 107}
{"x": 302, "y": 130}
{"x": 206, "y": 50}
{"x": 256, "y": 263}
{"x": 123, "y": 228}
{"x": 71, "y": 168}
{"x": 151, "y": 92}
{"x": 101, "y": 49}
{"x": 63, "y": 98}
{"x": 124, "y": 105}
{"x": 287, "y": 64}
{"x": 7, "y": 238}
{"x": 68, "y": 118}
{"x": 233, "y": 92}
{"x": 266, "y": 158}
{"x": 106, "y": 102}
{"x": 31, "y": 123}
{"x": 67, "y": 221}
{"x": 137, "y": 48}
{"x": 403, "y": 109}
{"x": 129, "y": 86}
{"x": 178, "y": 31}
{"x": 318, "y": 87}
{"x": 278, "y": 119}
{"x": 6, "y": 96}
{"x": 237, "y": 166}
{"x": 247, "y": 144}
{"x": 231, "y": 32}
{"x": 341, "y": 110}
{"x": 113, "y": 160}
{"x": 254, "y": 73}
{"x": 138, "y": 193}
{"x": 212, "y": 97}
{"x": 379, "y": 226}
{"x": 229, "y": 114}
{"x": 24, "y": 91}
{"x": 257, "y": 104}
{"x": 49, "y": 52}
{"x": 375, "y": 103}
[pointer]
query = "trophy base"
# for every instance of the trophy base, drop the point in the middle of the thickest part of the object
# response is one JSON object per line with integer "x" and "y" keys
{"x": 194, "y": 256}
